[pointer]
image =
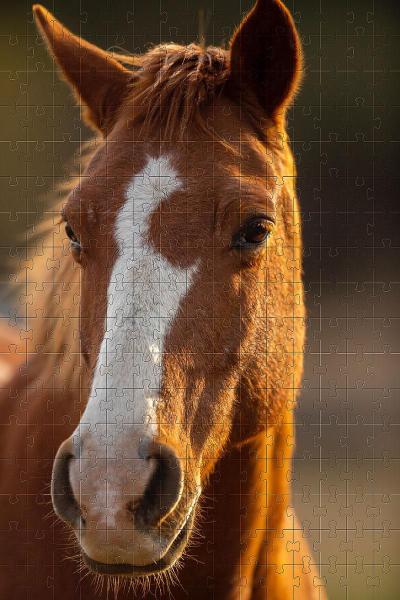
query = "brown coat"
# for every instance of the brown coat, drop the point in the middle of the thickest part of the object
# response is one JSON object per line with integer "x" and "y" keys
{"x": 221, "y": 115}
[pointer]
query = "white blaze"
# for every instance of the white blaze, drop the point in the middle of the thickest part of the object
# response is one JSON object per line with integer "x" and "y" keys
{"x": 143, "y": 298}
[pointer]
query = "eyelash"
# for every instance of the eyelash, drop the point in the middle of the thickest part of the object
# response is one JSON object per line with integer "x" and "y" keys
{"x": 75, "y": 243}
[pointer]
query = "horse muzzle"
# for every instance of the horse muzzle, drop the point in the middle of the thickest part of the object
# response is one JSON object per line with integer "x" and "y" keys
{"x": 128, "y": 514}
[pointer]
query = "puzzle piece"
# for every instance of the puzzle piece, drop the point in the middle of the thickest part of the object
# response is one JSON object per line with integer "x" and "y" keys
{"x": 344, "y": 479}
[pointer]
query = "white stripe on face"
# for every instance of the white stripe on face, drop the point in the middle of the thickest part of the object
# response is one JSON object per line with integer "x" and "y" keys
{"x": 144, "y": 294}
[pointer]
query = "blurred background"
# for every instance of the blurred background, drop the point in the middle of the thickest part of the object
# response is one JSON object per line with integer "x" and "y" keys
{"x": 344, "y": 129}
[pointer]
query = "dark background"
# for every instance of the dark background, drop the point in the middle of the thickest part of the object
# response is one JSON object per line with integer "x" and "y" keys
{"x": 344, "y": 128}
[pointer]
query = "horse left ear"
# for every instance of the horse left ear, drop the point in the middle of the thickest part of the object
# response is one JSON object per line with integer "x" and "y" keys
{"x": 266, "y": 57}
{"x": 99, "y": 81}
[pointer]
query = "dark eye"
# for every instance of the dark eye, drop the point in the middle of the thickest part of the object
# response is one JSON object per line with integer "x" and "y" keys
{"x": 75, "y": 243}
{"x": 253, "y": 233}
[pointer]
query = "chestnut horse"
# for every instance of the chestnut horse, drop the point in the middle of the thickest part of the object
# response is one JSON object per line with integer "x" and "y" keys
{"x": 163, "y": 342}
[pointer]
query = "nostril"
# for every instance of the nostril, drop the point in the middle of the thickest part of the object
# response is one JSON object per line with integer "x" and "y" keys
{"x": 163, "y": 490}
{"x": 64, "y": 502}
{"x": 83, "y": 512}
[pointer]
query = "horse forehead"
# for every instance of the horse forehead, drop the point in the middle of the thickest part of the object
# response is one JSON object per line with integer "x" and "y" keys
{"x": 108, "y": 185}
{"x": 141, "y": 169}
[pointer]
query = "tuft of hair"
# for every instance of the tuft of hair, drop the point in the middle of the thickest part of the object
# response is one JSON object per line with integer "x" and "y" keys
{"x": 173, "y": 83}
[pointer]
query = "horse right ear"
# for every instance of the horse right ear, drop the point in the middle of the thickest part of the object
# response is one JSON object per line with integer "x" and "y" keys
{"x": 266, "y": 57}
{"x": 98, "y": 80}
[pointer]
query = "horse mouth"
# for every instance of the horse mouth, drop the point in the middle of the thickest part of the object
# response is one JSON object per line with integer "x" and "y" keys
{"x": 128, "y": 570}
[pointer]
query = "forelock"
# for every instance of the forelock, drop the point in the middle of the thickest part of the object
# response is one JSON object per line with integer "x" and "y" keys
{"x": 173, "y": 83}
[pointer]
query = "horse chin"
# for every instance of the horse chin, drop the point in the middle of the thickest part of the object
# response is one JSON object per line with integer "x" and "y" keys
{"x": 172, "y": 555}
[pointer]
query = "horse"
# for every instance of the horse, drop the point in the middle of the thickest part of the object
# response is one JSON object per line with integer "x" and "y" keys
{"x": 164, "y": 323}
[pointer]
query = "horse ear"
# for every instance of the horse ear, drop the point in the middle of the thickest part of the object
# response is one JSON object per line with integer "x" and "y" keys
{"x": 98, "y": 80}
{"x": 266, "y": 57}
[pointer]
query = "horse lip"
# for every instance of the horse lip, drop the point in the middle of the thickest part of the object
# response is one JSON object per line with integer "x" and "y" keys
{"x": 141, "y": 570}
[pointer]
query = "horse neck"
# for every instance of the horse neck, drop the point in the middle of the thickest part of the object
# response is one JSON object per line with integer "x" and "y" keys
{"x": 245, "y": 505}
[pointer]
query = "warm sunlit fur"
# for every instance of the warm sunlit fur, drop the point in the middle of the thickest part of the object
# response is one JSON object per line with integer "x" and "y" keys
{"x": 220, "y": 115}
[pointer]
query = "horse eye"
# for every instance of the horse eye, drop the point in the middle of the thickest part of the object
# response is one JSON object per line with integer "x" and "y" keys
{"x": 253, "y": 234}
{"x": 75, "y": 243}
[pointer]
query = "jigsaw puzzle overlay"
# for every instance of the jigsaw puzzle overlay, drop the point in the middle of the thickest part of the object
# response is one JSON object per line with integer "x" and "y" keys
{"x": 343, "y": 130}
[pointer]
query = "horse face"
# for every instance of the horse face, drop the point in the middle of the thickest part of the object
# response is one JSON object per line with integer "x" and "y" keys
{"x": 170, "y": 299}
{"x": 173, "y": 240}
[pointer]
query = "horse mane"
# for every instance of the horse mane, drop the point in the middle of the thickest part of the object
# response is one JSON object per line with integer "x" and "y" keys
{"x": 172, "y": 84}
{"x": 46, "y": 288}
